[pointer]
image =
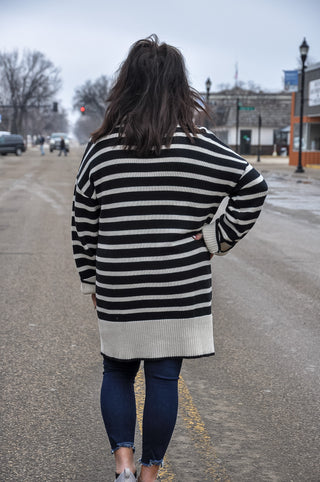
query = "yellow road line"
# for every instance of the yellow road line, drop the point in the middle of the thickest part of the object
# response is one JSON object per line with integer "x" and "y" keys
{"x": 201, "y": 439}
{"x": 313, "y": 166}
{"x": 189, "y": 413}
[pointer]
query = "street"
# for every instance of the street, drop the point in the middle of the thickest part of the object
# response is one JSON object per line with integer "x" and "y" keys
{"x": 248, "y": 414}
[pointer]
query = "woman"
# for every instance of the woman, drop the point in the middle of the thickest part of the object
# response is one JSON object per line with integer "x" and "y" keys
{"x": 147, "y": 189}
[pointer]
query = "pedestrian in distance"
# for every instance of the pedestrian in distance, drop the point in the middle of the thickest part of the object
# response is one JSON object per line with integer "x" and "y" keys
{"x": 41, "y": 142}
{"x": 147, "y": 190}
{"x": 62, "y": 147}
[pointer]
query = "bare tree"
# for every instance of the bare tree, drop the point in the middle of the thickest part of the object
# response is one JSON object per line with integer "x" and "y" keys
{"x": 224, "y": 86}
{"x": 253, "y": 87}
{"x": 241, "y": 85}
{"x": 26, "y": 84}
{"x": 44, "y": 121}
{"x": 93, "y": 96}
{"x": 84, "y": 126}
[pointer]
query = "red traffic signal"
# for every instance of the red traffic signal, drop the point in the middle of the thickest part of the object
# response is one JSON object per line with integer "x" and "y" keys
{"x": 82, "y": 109}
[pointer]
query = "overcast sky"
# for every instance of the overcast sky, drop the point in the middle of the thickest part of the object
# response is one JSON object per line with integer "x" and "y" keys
{"x": 88, "y": 38}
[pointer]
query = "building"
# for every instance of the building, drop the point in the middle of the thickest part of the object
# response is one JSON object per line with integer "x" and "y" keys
{"x": 311, "y": 120}
{"x": 235, "y": 119}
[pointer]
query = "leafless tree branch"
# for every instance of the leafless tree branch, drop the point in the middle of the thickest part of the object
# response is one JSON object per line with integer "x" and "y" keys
{"x": 29, "y": 81}
{"x": 93, "y": 96}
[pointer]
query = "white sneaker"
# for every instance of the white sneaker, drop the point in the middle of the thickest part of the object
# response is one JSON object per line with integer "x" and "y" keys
{"x": 126, "y": 476}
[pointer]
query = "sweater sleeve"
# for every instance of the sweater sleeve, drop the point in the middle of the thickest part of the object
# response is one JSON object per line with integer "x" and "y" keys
{"x": 85, "y": 226}
{"x": 242, "y": 210}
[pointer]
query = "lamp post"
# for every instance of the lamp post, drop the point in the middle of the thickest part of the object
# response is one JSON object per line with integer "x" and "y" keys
{"x": 208, "y": 87}
{"x": 304, "y": 48}
{"x": 259, "y": 138}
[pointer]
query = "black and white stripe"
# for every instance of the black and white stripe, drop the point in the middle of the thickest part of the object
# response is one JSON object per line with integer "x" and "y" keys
{"x": 132, "y": 229}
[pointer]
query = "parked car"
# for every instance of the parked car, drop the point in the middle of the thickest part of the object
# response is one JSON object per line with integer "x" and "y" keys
{"x": 55, "y": 138}
{"x": 12, "y": 143}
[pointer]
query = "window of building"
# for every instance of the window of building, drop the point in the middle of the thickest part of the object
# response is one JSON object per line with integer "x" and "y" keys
{"x": 313, "y": 143}
{"x": 310, "y": 137}
{"x": 280, "y": 137}
{"x": 296, "y": 137}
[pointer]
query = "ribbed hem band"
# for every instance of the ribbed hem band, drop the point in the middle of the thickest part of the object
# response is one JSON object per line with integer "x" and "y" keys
{"x": 210, "y": 238}
{"x": 191, "y": 337}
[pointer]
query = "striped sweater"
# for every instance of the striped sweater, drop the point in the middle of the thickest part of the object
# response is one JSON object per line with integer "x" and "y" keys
{"x": 132, "y": 228}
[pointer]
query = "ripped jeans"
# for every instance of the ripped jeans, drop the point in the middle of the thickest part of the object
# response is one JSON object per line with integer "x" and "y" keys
{"x": 118, "y": 405}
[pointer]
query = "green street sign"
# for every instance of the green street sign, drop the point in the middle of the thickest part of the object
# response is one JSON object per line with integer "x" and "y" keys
{"x": 242, "y": 107}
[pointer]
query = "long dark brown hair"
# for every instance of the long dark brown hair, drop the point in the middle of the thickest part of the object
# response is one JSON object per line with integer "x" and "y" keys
{"x": 150, "y": 98}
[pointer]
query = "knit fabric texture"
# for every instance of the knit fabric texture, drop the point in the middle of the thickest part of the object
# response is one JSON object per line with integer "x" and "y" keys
{"x": 132, "y": 228}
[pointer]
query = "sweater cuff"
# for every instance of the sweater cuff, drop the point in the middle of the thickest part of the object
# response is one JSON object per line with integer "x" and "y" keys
{"x": 210, "y": 238}
{"x": 88, "y": 289}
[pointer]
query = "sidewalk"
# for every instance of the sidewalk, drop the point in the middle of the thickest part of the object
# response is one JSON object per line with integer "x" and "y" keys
{"x": 281, "y": 164}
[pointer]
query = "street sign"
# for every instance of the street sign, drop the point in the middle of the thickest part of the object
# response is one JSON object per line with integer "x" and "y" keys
{"x": 243, "y": 107}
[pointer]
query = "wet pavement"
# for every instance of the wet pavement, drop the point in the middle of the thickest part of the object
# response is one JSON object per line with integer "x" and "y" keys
{"x": 291, "y": 194}
{"x": 248, "y": 414}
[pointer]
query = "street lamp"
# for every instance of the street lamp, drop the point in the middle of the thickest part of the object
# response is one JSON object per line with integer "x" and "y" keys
{"x": 208, "y": 87}
{"x": 304, "y": 48}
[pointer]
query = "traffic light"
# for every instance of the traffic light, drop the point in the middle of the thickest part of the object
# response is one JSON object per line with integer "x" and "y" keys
{"x": 83, "y": 109}
{"x": 55, "y": 107}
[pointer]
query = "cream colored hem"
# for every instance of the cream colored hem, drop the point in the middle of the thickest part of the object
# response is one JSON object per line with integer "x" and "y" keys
{"x": 88, "y": 289}
{"x": 190, "y": 337}
{"x": 209, "y": 236}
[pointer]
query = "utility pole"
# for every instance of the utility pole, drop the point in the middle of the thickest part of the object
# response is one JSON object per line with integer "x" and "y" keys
{"x": 237, "y": 126}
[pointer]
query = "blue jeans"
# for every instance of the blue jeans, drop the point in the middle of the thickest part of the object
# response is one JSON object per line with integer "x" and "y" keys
{"x": 118, "y": 405}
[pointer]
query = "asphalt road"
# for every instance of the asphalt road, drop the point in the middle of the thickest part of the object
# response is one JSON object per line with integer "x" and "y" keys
{"x": 248, "y": 414}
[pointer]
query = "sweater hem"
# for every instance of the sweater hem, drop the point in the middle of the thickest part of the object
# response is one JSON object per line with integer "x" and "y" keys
{"x": 191, "y": 357}
{"x": 166, "y": 338}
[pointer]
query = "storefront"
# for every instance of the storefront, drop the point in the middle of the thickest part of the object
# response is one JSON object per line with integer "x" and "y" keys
{"x": 250, "y": 122}
{"x": 311, "y": 120}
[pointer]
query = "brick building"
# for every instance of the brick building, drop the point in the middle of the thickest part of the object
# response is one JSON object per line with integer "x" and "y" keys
{"x": 311, "y": 119}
